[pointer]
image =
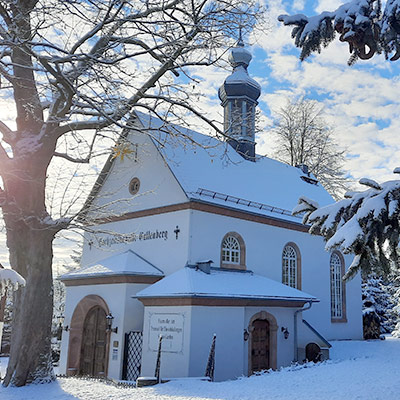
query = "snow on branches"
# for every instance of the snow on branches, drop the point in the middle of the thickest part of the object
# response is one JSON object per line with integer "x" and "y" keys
{"x": 10, "y": 279}
{"x": 360, "y": 23}
{"x": 364, "y": 223}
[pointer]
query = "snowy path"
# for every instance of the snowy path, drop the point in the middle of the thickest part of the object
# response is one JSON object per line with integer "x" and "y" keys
{"x": 357, "y": 370}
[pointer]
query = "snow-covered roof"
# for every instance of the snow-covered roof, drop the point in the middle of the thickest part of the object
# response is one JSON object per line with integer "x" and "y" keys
{"x": 217, "y": 168}
{"x": 192, "y": 282}
{"x": 126, "y": 263}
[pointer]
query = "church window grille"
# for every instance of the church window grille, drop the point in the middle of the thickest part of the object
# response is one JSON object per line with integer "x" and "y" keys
{"x": 231, "y": 250}
{"x": 289, "y": 266}
{"x": 337, "y": 287}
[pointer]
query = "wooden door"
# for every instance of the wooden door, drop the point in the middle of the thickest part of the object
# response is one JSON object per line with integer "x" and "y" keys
{"x": 260, "y": 345}
{"x": 94, "y": 343}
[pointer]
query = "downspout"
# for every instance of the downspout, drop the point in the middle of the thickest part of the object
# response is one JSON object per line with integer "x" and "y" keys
{"x": 307, "y": 307}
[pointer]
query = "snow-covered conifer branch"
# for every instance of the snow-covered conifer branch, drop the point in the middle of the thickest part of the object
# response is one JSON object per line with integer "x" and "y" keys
{"x": 306, "y": 206}
{"x": 371, "y": 183}
{"x": 361, "y": 23}
{"x": 365, "y": 224}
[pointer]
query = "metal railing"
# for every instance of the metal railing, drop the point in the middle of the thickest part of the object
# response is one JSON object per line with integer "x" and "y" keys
{"x": 243, "y": 202}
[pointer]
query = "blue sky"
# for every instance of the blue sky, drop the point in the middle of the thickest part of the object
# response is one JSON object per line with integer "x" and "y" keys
{"x": 361, "y": 103}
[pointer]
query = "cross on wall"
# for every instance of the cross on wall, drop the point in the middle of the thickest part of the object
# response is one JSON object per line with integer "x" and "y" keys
{"x": 176, "y": 231}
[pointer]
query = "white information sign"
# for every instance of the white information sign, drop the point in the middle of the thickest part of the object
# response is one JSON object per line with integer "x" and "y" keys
{"x": 171, "y": 327}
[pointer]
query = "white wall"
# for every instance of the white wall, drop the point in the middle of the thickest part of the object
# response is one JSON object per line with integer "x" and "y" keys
{"x": 158, "y": 186}
{"x": 168, "y": 255}
{"x": 227, "y": 324}
{"x": 231, "y": 351}
{"x": 264, "y": 245}
{"x": 173, "y": 364}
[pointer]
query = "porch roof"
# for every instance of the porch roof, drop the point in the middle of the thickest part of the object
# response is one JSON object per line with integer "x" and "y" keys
{"x": 126, "y": 263}
{"x": 191, "y": 282}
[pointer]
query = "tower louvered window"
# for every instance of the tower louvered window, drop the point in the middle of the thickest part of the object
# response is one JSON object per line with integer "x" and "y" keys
{"x": 289, "y": 266}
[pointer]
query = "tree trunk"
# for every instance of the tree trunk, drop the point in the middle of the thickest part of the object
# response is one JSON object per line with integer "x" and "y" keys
{"x": 30, "y": 235}
{"x": 30, "y": 356}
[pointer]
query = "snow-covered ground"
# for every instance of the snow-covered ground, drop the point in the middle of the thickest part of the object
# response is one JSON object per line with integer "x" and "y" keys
{"x": 357, "y": 370}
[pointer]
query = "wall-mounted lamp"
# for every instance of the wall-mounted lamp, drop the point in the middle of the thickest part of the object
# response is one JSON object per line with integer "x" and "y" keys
{"x": 246, "y": 335}
{"x": 109, "y": 319}
{"x": 285, "y": 332}
{"x": 60, "y": 320}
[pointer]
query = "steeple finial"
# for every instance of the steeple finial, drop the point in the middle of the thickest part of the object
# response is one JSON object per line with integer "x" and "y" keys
{"x": 240, "y": 42}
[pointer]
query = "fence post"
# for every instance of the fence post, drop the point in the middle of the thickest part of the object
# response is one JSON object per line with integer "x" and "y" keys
{"x": 211, "y": 360}
{"x": 158, "y": 363}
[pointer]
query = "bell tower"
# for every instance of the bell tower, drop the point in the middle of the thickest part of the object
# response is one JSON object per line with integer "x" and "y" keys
{"x": 238, "y": 95}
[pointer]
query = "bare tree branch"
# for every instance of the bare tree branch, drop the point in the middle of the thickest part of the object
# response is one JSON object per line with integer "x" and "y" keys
{"x": 85, "y": 160}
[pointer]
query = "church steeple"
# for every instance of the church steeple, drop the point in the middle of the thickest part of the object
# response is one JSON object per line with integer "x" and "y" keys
{"x": 238, "y": 96}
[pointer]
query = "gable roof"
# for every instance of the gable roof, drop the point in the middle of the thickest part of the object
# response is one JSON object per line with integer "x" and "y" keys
{"x": 214, "y": 172}
{"x": 126, "y": 263}
{"x": 210, "y": 170}
{"x": 223, "y": 284}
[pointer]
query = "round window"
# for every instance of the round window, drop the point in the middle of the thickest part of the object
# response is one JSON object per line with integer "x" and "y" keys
{"x": 134, "y": 186}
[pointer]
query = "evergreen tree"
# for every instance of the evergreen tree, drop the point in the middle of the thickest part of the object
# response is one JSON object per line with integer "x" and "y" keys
{"x": 378, "y": 305}
{"x": 365, "y": 224}
{"x": 396, "y": 308}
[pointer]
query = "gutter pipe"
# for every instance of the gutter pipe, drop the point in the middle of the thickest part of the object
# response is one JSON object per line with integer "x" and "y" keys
{"x": 296, "y": 351}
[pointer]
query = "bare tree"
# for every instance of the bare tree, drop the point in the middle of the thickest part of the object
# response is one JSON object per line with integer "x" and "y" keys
{"x": 304, "y": 138}
{"x": 75, "y": 71}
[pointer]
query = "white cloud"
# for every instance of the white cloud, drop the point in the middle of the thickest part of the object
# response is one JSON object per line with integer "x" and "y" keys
{"x": 328, "y": 5}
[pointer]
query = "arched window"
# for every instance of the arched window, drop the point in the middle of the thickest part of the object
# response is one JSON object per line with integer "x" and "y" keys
{"x": 337, "y": 288}
{"x": 291, "y": 271}
{"x": 233, "y": 251}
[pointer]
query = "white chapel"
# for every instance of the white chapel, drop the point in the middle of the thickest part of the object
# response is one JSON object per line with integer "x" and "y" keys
{"x": 193, "y": 243}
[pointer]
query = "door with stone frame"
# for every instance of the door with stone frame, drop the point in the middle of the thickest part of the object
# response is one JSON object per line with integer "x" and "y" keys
{"x": 94, "y": 343}
{"x": 260, "y": 346}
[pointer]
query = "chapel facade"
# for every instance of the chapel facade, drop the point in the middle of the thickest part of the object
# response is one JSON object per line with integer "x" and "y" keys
{"x": 195, "y": 242}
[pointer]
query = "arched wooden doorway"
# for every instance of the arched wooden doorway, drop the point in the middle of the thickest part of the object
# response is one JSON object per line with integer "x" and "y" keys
{"x": 85, "y": 318}
{"x": 94, "y": 343}
{"x": 260, "y": 358}
{"x": 263, "y": 342}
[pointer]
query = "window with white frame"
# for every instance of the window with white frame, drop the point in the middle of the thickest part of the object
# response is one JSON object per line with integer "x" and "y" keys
{"x": 289, "y": 266}
{"x": 336, "y": 287}
{"x": 231, "y": 250}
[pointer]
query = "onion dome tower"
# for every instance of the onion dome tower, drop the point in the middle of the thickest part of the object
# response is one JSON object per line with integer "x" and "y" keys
{"x": 238, "y": 96}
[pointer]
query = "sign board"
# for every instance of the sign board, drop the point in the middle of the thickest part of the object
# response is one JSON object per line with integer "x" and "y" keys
{"x": 171, "y": 327}
{"x": 110, "y": 240}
